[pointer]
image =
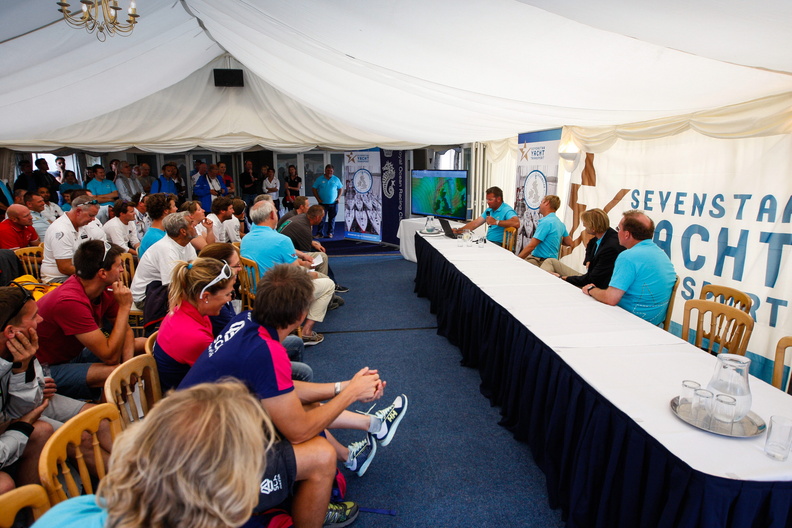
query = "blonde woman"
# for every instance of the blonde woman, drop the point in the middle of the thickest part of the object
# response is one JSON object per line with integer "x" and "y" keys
{"x": 198, "y": 289}
{"x": 166, "y": 471}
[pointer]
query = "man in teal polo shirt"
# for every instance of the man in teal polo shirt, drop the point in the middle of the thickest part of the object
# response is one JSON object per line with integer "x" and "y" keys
{"x": 104, "y": 190}
{"x": 643, "y": 276}
{"x": 498, "y": 216}
{"x": 549, "y": 235}
{"x": 327, "y": 191}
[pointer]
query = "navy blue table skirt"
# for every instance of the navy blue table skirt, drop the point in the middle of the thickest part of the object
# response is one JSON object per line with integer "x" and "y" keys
{"x": 602, "y": 469}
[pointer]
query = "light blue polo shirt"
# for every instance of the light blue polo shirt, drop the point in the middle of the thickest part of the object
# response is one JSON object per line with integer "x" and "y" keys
{"x": 646, "y": 276}
{"x": 328, "y": 189}
{"x": 504, "y": 212}
{"x": 267, "y": 247}
{"x": 550, "y": 230}
{"x": 101, "y": 187}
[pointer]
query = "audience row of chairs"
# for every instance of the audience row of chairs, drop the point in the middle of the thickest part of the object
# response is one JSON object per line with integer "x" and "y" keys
{"x": 131, "y": 391}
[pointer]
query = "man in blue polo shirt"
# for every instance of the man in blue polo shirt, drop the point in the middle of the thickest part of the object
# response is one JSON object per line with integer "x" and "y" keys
{"x": 498, "y": 216}
{"x": 643, "y": 277}
{"x": 165, "y": 183}
{"x": 549, "y": 235}
{"x": 327, "y": 191}
{"x": 268, "y": 248}
{"x": 103, "y": 190}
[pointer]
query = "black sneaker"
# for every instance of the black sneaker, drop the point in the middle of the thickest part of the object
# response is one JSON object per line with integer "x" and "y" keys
{"x": 335, "y": 302}
{"x": 340, "y": 514}
{"x": 391, "y": 416}
{"x": 341, "y": 289}
{"x": 361, "y": 454}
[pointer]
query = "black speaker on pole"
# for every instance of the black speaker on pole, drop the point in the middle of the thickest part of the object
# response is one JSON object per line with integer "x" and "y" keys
{"x": 224, "y": 77}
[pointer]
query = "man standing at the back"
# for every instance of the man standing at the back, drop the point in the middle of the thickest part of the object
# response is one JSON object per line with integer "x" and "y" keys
{"x": 327, "y": 191}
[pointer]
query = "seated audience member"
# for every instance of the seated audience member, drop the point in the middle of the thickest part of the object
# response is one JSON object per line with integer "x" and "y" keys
{"x": 158, "y": 206}
{"x": 67, "y": 199}
{"x": 236, "y": 227}
{"x": 145, "y": 177}
{"x": 250, "y": 350}
{"x": 601, "y": 253}
{"x": 51, "y": 210}
{"x": 222, "y": 210}
{"x": 30, "y": 401}
{"x": 19, "y": 196}
{"x": 6, "y": 198}
{"x": 41, "y": 223}
{"x": 63, "y": 238}
{"x": 549, "y": 235}
{"x": 497, "y": 216}
{"x": 643, "y": 276}
{"x": 70, "y": 182}
{"x": 165, "y": 183}
{"x": 166, "y": 471}
{"x": 126, "y": 182}
{"x": 16, "y": 231}
{"x": 293, "y": 344}
{"x": 268, "y": 248}
{"x": 71, "y": 340}
{"x": 203, "y": 226}
{"x": 120, "y": 230}
{"x": 298, "y": 228}
{"x": 197, "y": 290}
{"x": 103, "y": 189}
{"x": 300, "y": 205}
{"x": 93, "y": 228}
{"x": 142, "y": 219}
{"x": 158, "y": 266}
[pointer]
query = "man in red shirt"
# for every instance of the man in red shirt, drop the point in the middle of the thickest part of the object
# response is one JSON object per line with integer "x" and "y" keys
{"x": 71, "y": 340}
{"x": 16, "y": 231}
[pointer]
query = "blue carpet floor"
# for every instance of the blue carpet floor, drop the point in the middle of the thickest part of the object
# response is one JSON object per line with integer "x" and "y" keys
{"x": 450, "y": 464}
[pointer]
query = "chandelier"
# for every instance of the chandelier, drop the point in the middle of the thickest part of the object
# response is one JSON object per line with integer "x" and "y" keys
{"x": 100, "y": 16}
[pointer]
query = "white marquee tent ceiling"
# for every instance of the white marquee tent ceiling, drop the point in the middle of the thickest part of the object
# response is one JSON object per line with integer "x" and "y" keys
{"x": 349, "y": 73}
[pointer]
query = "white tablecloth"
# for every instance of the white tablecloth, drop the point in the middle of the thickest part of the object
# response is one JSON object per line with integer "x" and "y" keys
{"x": 406, "y": 234}
{"x": 637, "y": 366}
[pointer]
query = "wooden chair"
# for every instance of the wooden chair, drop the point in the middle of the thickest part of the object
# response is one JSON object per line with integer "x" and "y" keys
{"x": 778, "y": 366}
{"x": 509, "y": 238}
{"x": 140, "y": 375}
{"x": 719, "y": 324}
{"x": 248, "y": 278}
{"x": 52, "y": 464}
{"x": 150, "y": 343}
{"x": 135, "y": 316}
{"x": 727, "y": 296}
{"x": 30, "y": 258}
{"x": 31, "y": 496}
{"x": 670, "y": 309}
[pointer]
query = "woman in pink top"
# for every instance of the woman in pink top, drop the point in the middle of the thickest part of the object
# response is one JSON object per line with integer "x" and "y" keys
{"x": 197, "y": 290}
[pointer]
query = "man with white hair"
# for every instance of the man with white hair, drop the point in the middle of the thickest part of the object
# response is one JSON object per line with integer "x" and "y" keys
{"x": 63, "y": 238}
{"x": 268, "y": 248}
{"x": 159, "y": 260}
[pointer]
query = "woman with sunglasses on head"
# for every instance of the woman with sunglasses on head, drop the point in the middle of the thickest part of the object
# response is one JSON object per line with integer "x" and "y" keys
{"x": 197, "y": 290}
{"x": 294, "y": 345}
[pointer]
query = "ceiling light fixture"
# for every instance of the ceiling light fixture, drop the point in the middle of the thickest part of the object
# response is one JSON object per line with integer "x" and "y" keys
{"x": 100, "y": 16}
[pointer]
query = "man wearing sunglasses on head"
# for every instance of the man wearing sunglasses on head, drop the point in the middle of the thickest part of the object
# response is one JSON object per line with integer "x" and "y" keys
{"x": 63, "y": 238}
{"x": 71, "y": 340}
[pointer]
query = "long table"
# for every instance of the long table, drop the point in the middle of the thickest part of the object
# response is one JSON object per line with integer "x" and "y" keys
{"x": 588, "y": 387}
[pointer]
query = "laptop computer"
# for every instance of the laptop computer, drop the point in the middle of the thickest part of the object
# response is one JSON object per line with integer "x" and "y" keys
{"x": 447, "y": 228}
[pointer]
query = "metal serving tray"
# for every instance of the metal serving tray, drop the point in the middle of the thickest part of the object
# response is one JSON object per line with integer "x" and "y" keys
{"x": 751, "y": 425}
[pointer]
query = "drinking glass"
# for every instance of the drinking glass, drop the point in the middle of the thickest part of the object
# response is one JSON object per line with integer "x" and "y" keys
{"x": 702, "y": 404}
{"x": 779, "y": 438}
{"x": 688, "y": 388}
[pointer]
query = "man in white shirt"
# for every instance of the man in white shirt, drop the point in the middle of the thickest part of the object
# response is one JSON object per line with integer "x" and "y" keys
{"x": 142, "y": 219}
{"x": 35, "y": 203}
{"x": 159, "y": 260}
{"x": 51, "y": 210}
{"x": 63, "y": 238}
{"x": 222, "y": 210}
{"x": 120, "y": 230}
{"x": 233, "y": 226}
